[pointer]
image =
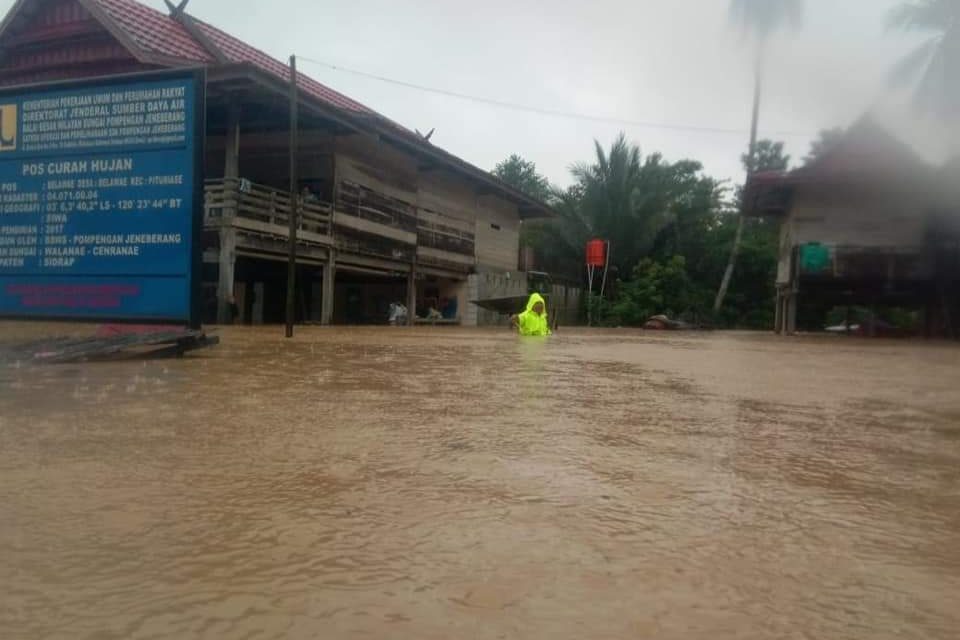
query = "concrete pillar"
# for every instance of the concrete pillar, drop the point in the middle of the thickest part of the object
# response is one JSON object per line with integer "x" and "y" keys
{"x": 329, "y": 290}
{"x": 468, "y": 311}
{"x": 227, "y": 262}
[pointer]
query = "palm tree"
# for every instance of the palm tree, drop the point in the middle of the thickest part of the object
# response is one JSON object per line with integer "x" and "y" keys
{"x": 624, "y": 199}
{"x": 559, "y": 242}
{"x": 620, "y": 198}
{"x": 759, "y": 19}
{"x": 934, "y": 65}
{"x": 607, "y": 185}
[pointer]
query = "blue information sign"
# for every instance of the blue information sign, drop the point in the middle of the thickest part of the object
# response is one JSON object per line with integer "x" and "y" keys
{"x": 99, "y": 199}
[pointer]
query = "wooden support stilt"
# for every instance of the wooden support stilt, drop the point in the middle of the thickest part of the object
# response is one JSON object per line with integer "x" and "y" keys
{"x": 329, "y": 290}
{"x": 412, "y": 294}
{"x": 778, "y": 313}
{"x": 231, "y": 164}
{"x": 227, "y": 263}
{"x": 791, "y": 314}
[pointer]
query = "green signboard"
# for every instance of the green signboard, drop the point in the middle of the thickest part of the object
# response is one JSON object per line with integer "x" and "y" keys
{"x": 814, "y": 258}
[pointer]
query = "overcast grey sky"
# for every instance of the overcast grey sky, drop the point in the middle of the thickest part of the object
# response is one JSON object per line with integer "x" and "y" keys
{"x": 669, "y": 61}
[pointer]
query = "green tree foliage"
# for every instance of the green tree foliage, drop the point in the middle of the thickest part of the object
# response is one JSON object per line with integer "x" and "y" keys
{"x": 637, "y": 203}
{"x": 935, "y": 65}
{"x": 670, "y": 227}
{"x": 625, "y": 199}
{"x": 702, "y": 245}
{"x": 522, "y": 175}
{"x": 702, "y": 227}
{"x": 768, "y": 156}
{"x": 559, "y": 243}
{"x": 655, "y": 288}
{"x": 750, "y": 303}
{"x": 827, "y": 140}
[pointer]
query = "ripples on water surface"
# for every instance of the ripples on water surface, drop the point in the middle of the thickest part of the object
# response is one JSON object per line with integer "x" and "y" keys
{"x": 457, "y": 484}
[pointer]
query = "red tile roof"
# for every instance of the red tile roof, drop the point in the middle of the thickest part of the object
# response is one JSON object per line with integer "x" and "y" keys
{"x": 164, "y": 41}
{"x": 154, "y": 31}
{"x": 239, "y": 51}
{"x": 159, "y": 34}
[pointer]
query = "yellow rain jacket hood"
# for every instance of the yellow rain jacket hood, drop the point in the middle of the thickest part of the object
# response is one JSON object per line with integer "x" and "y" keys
{"x": 533, "y": 323}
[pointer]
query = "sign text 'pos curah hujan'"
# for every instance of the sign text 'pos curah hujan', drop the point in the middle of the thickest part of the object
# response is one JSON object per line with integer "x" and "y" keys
{"x": 99, "y": 199}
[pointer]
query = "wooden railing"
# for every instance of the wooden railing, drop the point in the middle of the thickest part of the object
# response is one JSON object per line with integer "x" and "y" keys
{"x": 445, "y": 241}
{"x": 260, "y": 208}
{"x": 374, "y": 246}
{"x": 365, "y": 222}
{"x": 445, "y": 233}
{"x": 362, "y": 202}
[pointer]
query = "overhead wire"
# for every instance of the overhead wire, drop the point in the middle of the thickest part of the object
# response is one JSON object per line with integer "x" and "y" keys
{"x": 544, "y": 111}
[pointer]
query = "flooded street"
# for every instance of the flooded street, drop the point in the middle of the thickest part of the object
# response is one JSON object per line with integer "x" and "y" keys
{"x": 374, "y": 483}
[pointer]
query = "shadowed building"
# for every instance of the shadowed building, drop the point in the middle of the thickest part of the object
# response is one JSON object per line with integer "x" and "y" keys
{"x": 867, "y": 223}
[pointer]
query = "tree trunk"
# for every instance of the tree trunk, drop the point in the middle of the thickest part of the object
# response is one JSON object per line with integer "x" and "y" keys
{"x": 752, "y": 153}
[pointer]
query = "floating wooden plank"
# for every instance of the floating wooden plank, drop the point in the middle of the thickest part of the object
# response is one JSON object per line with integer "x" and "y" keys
{"x": 63, "y": 350}
{"x": 442, "y": 322}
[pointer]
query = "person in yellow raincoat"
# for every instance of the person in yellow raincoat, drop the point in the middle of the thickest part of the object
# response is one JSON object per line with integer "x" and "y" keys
{"x": 533, "y": 321}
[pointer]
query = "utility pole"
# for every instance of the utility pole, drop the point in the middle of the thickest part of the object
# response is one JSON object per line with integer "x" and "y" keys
{"x": 752, "y": 154}
{"x": 294, "y": 200}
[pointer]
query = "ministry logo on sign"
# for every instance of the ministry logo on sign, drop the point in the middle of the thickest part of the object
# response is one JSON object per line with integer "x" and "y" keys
{"x": 8, "y": 127}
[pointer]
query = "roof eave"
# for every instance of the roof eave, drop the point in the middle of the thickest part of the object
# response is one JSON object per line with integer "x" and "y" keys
{"x": 94, "y": 9}
{"x": 529, "y": 208}
{"x": 11, "y": 16}
{"x": 761, "y": 189}
{"x": 279, "y": 85}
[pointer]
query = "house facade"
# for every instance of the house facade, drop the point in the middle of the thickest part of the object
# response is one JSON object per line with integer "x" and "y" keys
{"x": 867, "y": 224}
{"x": 384, "y": 215}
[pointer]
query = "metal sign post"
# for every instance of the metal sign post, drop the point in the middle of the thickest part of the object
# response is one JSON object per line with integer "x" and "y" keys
{"x": 598, "y": 257}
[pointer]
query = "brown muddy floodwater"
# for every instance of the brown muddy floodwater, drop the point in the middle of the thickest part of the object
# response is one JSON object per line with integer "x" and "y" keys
{"x": 466, "y": 484}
